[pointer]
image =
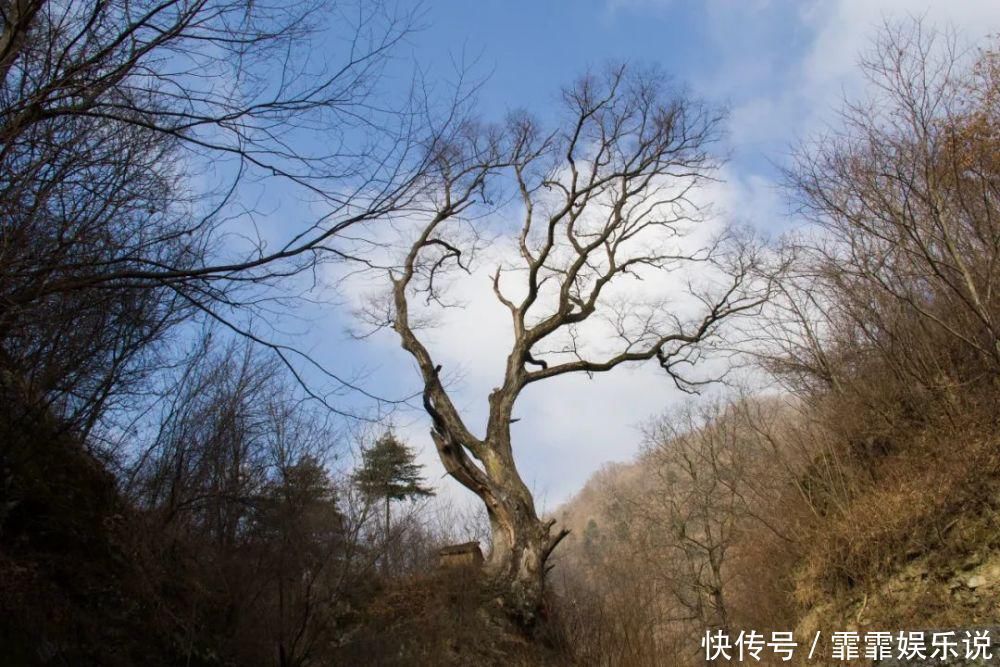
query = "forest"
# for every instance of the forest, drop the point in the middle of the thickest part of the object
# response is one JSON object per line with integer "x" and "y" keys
{"x": 217, "y": 218}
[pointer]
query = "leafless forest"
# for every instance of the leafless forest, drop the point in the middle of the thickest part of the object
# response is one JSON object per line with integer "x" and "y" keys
{"x": 183, "y": 482}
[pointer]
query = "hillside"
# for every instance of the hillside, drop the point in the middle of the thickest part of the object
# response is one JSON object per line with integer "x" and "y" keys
{"x": 663, "y": 549}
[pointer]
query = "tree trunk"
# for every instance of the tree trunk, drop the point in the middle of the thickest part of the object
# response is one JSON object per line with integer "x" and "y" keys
{"x": 515, "y": 568}
{"x": 718, "y": 600}
{"x": 385, "y": 540}
{"x": 521, "y": 545}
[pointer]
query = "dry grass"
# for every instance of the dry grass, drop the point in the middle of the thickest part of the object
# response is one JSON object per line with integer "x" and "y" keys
{"x": 442, "y": 618}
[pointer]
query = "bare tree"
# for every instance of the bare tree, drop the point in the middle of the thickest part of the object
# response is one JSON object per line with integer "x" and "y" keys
{"x": 673, "y": 537}
{"x": 136, "y": 139}
{"x": 235, "y": 488}
{"x": 702, "y": 464}
{"x": 608, "y": 197}
{"x": 905, "y": 198}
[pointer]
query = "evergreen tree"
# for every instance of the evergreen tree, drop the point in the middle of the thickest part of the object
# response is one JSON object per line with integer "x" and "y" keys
{"x": 389, "y": 472}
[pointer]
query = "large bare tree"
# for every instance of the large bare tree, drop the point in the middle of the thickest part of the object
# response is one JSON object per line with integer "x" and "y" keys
{"x": 609, "y": 197}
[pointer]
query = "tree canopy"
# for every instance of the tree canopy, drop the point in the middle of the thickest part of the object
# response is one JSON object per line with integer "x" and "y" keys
{"x": 388, "y": 470}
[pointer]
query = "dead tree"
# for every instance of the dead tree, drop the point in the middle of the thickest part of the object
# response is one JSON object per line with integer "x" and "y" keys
{"x": 608, "y": 197}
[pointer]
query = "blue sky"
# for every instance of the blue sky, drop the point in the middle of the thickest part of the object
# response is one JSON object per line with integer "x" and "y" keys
{"x": 781, "y": 68}
{"x": 729, "y": 53}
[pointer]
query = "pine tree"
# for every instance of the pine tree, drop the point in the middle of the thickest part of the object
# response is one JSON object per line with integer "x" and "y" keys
{"x": 389, "y": 472}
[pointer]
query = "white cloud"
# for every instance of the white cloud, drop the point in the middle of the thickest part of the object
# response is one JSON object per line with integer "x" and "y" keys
{"x": 844, "y": 28}
{"x": 809, "y": 91}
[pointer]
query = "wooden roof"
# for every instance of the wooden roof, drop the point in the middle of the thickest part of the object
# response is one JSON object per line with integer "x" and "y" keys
{"x": 468, "y": 547}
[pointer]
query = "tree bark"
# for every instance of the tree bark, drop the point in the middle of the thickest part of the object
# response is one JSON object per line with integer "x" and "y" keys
{"x": 521, "y": 544}
{"x": 516, "y": 566}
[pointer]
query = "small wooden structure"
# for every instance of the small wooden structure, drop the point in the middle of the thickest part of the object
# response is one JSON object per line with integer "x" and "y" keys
{"x": 461, "y": 555}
